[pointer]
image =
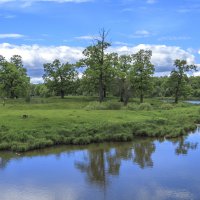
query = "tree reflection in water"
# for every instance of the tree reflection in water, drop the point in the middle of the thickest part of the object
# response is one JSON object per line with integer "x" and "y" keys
{"x": 183, "y": 146}
{"x": 103, "y": 161}
{"x": 98, "y": 164}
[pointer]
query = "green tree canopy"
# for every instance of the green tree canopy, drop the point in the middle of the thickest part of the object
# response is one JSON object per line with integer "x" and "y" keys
{"x": 178, "y": 78}
{"x": 142, "y": 71}
{"x": 14, "y": 81}
{"x": 97, "y": 62}
{"x": 59, "y": 76}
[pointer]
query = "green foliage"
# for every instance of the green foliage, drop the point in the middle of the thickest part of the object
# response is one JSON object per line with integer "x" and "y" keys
{"x": 96, "y": 106}
{"x": 14, "y": 81}
{"x": 123, "y": 67}
{"x": 65, "y": 121}
{"x": 59, "y": 77}
{"x": 178, "y": 78}
{"x": 166, "y": 106}
{"x": 98, "y": 64}
{"x": 145, "y": 106}
{"x": 132, "y": 106}
{"x": 104, "y": 106}
{"x": 113, "y": 105}
{"x": 142, "y": 72}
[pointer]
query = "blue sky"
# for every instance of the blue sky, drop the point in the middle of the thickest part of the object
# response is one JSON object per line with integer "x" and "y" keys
{"x": 41, "y": 30}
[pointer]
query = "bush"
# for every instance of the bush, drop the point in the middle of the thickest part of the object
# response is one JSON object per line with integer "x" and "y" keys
{"x": 113, "y": 105}
{"x": 182, "y": 104}
{"x": 145, "y": 106}
{"x": 166, "y": 106}
{"x": 104, "y": 106}
{"x": 132, "y": 106}
{"x": 95, "y": 106}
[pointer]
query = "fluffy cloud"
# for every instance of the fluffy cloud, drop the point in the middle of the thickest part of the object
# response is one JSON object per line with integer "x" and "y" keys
{"x": 28, "y": 3}
{"x": 141, "y": 34}
{"x": 87, "y": 37}
{"x": 58, "y": 1}
{"x": 163, "y": 56}
{"x": 34, "y": 56}
{"x": 32, "y": 1}
{"x": 11, "y": 35}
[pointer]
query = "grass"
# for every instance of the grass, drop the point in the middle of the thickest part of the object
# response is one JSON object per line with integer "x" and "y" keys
{"x": 55, "y": 121}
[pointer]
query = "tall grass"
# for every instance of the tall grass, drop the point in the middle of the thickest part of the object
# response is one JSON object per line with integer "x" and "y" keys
{"x": 76, "y": 121}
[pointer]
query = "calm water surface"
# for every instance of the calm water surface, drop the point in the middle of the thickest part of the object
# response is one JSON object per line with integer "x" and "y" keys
{"x": 146, "y": 169}
{"x": 193, "y": 102}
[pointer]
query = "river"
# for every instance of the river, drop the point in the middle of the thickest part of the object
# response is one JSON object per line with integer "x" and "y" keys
{"x": 145, "y": 169}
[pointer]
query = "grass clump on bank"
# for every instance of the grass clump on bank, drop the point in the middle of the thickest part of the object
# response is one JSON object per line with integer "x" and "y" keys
{"x": 80, "y": 121}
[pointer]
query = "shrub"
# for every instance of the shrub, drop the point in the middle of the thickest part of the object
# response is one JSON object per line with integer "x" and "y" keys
{"x": 4, "y": 146}
{"x": 104, "y": 106}
{"x": 132, "y": 106}
{"x": 113, "y": 105}
{"x": 82, "y": 140}
{"x": 182, "y": 104}
{"x": 145, "y": 106}
{"x": 95, "y": 106}
{"x": 166, "y": 106}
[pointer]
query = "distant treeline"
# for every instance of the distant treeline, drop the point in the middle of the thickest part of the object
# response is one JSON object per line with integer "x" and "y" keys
{"x": 104, "y": 74}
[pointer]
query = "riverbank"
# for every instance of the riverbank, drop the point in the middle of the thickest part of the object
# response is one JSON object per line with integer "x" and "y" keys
{"x": 49, "y": 122}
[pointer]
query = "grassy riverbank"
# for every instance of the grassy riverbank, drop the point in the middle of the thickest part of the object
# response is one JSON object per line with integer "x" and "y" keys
{"x": 75, "y": 120}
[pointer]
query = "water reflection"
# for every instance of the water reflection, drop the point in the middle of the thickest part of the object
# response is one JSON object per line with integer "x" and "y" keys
{"x": 98, "y": 164}
{"x": 106, "y": 158}
{"x": 143, "y": 153}
{"x": 137, "y": 169}
{"x": 184, "y": 146}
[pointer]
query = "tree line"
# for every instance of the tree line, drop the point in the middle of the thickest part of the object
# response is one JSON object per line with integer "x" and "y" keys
{"x": 103, "y": 74}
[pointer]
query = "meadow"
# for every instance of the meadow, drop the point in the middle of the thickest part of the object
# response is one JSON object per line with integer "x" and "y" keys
{"x": 45, "y": 122}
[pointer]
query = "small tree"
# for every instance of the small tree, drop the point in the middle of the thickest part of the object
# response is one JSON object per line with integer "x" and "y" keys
{"x": 14, "y": 81}
{"x": 142, "y": 71}
{"x": 96, "y": 60}
{"x": 123, "y": 67}
{"x": 58, "y": 77}
{"x": 178, "y": 78}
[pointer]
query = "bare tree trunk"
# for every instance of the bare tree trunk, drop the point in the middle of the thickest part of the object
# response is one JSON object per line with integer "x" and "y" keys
{"x": 104, "y": 91}
{"x": 176, "y": 96}
{"x": 62, "y": 94}
{"x": 101, "y": 91}
{"x": 177, "y": 92}
{"x": 141, "y": 97}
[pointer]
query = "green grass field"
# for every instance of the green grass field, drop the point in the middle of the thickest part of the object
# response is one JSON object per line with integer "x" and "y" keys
{"x": 75, "y": 120}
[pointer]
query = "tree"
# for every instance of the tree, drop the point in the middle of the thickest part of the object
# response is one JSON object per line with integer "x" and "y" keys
{"x": 14, "y": 81}
{"x": 59, "y": 76}
{"x": 123, "y": 67}
{"x": 142, "y": 71}
{"x": 97, "y": 63}
{"x": 178, "y": 77}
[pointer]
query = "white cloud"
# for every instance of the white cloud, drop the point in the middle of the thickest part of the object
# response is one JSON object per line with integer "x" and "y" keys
{"x": 86, "y": 37}
{"x": 141, "y": 34}
{"x": 120, "y": 43}
{"x": 7, "y": 16}
{"x": 163, "y": 56}
{"x": 56, "y": 1}
{"x": 11, "y": 35}
{"x": 34, "y": 56}
{"x": 27, "y": 3}
{"x": 37, "y": 80}
{"x": 174, "y": 38}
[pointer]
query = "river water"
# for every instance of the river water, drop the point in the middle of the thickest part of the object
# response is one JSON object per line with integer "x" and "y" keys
{"x": 145, "y": 169}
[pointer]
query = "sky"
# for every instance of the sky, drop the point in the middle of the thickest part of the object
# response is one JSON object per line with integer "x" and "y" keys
{"x": 43, "y": 30}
